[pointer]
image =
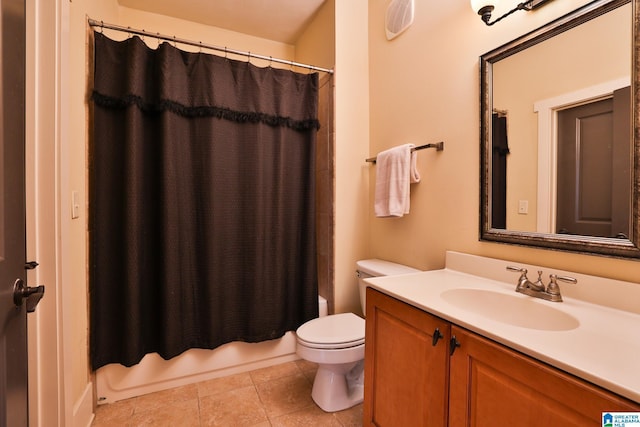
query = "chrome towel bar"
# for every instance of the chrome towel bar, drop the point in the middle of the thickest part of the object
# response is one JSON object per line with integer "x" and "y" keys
{"x": 439, "y": 146}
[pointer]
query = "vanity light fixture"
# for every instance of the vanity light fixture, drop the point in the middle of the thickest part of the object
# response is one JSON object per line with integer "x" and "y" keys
{"x": 485, "y": 7}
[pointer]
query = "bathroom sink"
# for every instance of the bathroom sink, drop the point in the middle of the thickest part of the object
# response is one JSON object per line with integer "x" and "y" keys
{"x": 514, "y": 309}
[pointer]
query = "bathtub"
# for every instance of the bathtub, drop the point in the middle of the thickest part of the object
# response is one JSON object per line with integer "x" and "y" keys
{"x": 115, "y": 382}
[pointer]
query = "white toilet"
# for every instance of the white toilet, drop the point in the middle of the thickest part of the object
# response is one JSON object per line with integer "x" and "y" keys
{"x": 336, "y": 344}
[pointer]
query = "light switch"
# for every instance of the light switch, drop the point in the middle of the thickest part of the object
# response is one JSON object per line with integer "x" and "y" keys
{"x": 75, "y": 205}
{"x": 523, "y": 207}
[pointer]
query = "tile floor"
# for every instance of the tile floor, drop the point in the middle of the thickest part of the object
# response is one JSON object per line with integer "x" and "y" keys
{"x": 275, "y": 396}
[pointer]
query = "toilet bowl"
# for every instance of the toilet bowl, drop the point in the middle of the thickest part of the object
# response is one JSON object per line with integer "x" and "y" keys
{"x": 336, "y": 344}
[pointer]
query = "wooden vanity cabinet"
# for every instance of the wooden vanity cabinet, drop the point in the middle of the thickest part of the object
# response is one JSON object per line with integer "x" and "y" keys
{"x": 490, "y": 382}
{"x": 410, "y": 382}
{"x": 406, "y": 375}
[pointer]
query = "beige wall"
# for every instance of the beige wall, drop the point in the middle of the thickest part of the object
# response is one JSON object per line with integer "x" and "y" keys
{"x": 352, "y": 147}
{"x": 316, "y": 45}
{"x": 424, "y": 87}
{"x": 344, "y": 48}
{"x": 73, "y": 172}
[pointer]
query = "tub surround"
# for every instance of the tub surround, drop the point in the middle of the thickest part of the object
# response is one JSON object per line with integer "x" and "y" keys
{"x": 602, "y": 347}
{"x": 115, "y": 382}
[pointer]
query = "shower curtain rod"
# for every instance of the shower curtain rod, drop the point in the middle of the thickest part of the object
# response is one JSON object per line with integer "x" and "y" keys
{"x": 101, "y": 24}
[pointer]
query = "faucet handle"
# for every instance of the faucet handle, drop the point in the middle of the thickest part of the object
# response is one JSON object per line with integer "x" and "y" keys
{"x": 553, "y": 287}
{"x": 517, "y": 269}
{"x": 523, "y": 281}
{"x": 567, "y": 279}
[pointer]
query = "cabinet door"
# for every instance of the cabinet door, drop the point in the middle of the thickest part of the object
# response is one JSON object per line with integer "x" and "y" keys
{"x": 406, "y": 375}
{"x": 490, "y": 385}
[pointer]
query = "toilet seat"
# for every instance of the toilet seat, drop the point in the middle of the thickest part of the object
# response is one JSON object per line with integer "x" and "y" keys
{"x": 336, "y": 331}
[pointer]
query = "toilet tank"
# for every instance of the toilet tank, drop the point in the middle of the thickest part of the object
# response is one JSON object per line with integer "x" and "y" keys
{"x": 376, "y": 268}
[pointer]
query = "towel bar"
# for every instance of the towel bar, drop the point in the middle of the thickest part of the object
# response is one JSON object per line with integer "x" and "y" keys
{"x": 439, "y": 146}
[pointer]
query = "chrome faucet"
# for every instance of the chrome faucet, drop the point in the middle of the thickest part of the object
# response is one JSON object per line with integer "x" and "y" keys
{"x": 551, "y": 292}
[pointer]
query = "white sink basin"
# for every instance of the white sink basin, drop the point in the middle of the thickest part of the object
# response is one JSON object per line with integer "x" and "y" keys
{"x": 525, "y": 312}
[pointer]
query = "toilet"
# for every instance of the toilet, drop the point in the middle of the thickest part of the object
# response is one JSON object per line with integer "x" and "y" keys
{"x": 336, "y": 344}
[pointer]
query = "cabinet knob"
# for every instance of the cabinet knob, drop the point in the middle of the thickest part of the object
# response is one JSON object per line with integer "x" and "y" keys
{"x": 453, "y": 344}
{"x": 436, "y": 336}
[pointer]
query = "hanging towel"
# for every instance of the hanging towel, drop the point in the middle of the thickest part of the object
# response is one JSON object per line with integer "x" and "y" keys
{"x": 395, "y": 170}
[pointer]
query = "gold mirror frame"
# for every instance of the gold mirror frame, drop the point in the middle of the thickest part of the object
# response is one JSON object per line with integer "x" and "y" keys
{"x": 622, "y": 248}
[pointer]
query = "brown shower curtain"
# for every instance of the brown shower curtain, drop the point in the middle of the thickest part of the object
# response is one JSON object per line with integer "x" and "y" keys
{"x": 500, "y": 151}
{"x": 202, "y": 216}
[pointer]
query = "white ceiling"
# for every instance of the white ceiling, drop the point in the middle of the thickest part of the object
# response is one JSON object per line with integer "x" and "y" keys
{"x": 279, "y": 20}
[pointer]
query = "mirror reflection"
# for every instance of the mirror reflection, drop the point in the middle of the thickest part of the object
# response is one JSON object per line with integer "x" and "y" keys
{"x": 574, "y": 77}
{"x": 558, "y": 134}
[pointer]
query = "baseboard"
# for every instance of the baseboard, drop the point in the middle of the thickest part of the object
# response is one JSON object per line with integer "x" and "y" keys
{"x": 83, "y": 409}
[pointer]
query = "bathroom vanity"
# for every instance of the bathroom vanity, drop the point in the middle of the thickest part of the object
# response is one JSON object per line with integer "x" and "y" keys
{"x": 445, "y": 348}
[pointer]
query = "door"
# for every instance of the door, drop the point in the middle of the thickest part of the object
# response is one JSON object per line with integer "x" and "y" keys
{"x": 406, "y": 365}
{"x": 593, "y": 168}
{"x": 493, "y": 385}
{"x": 13, "y": 320}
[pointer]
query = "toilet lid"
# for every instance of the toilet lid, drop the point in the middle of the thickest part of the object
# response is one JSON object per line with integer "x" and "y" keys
{"x": 335, "y": 331}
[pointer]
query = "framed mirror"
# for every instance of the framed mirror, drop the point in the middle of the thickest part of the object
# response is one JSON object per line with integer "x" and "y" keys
{"x": 560, "y": 134}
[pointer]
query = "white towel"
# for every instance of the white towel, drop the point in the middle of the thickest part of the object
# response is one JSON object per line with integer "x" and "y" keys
{"x": 395, "y": 170}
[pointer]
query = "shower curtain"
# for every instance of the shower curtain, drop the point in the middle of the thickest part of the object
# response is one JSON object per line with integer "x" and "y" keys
{"x": 500, "y": 151}
{"x": 202, "y": 202}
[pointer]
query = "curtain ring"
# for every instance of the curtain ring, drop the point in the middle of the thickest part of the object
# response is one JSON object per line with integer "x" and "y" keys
{"x": 129, "y": 32}
{"x": 249, "y": 57}
{"x": 200, "y": 46}
{"x": 101, "y": 27}
{"x": 225, "y": 52}
{"x": 175, "y": 43}
{"x": 270, "y": 61}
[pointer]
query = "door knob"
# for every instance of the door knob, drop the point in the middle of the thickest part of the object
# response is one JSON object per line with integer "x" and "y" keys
{"x": 33, "y": 295}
